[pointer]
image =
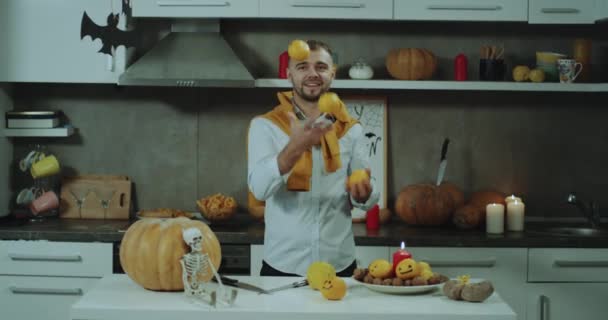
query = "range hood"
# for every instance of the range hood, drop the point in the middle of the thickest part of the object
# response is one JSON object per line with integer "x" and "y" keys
{"x": 189, "y": 56}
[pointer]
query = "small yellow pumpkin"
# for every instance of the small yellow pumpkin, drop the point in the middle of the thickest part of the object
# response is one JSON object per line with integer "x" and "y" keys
{"x": 334, "y": 289}
{"x": 151, "y": 249}
{"x": 407, "y": 269}
{"x": 380, "y": 268}
{"x": 318, "y": 272}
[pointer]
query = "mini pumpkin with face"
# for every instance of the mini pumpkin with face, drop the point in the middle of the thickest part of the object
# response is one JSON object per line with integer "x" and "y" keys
{"x": 407, "y": 269}
{"x": 380, "y": 268}
{"x": 334, "y": 289}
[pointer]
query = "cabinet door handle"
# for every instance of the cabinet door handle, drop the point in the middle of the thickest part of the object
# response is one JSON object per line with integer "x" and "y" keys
{"x": 486, "y": 263}
{"x": 320, "y": 4}
{"x": 42, "y": 257}
{"x": 464, "y": 7}
{"x": 581, "y": 264}
{"x": 64, "y": 292}
{"x": 559, "y": 10}
{"x": 543, "y": 302}
{"x": 186, "y": 3}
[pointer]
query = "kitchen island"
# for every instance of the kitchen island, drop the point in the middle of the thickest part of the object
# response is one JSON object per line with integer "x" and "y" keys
{"x": 117, "y": 297}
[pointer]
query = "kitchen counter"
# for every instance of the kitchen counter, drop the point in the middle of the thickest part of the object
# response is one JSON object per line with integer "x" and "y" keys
{"x": 117, "y": 297}
{"x": 244, "y": 230}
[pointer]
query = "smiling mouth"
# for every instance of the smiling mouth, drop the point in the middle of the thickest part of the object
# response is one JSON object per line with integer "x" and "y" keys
{"x": 407, "y": 271}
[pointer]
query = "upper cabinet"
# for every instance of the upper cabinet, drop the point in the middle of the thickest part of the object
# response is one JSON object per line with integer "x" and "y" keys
{"x": 601, "y": 10}
{"x": 195, "y": 8}
{"x": 41, "y": 41}
{"x": 335, "y": 9}
{"x": 563, "y": 11}
{"x": 462, "y": 10}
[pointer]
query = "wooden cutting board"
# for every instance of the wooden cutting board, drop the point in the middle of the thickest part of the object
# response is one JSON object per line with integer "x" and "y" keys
{"x": 95, "y": 191}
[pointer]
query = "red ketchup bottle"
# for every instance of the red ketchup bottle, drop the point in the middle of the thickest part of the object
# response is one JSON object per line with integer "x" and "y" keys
{"x": 283, "y": 63}
{"x": 460, "y": 67}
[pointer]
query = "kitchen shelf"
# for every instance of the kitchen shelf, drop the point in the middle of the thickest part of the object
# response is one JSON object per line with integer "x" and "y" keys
{"x": 38, "y": 132}
{"x": 448, "y": 85}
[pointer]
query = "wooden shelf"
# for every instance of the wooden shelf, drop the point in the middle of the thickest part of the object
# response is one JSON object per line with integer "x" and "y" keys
{"x": 448, "y": 85}
{"x": 36, "y": 132}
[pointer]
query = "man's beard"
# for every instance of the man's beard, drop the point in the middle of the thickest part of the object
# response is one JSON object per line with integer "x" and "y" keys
{"x": 310, "y": 98}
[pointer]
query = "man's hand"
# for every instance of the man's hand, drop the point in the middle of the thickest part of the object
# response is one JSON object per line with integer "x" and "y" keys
{"x": 303, "y": 137}
{"x": 360, "y": 191}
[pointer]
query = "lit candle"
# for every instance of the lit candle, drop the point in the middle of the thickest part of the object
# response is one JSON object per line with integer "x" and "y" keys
{"x": 512, "y": 198}
{"x": 515, "y": 216}
{"x": 400, "y": 254}
{"x": 495, "y": 218}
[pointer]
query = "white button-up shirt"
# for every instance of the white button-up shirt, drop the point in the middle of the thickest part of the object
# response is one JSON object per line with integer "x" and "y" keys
{"x": 306, "y": 226}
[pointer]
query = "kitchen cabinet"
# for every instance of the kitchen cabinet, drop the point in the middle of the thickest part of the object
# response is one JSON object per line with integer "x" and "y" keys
{"x": 42, "y": 279}
{"x": 462, "y": 10}
{"x": 42, "y": 42}
{"x": 196, "y": 9}
{"x": 505, "y": 267}
{"x": 363, "y": 255}
{"x": 567, "y": 284}
{"x": 335, "y": 9}
{"x": 601, "y": 10}
{"x": 561, "y": 11}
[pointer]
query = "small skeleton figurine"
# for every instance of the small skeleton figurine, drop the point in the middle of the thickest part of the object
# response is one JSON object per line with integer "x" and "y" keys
{"x": 197, "y": 265}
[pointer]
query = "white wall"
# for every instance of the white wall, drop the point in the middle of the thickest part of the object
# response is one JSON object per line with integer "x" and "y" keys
{"x": 6, "y": 151}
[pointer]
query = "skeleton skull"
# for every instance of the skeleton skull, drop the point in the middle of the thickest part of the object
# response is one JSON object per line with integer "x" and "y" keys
{"x": 194, "y": 238}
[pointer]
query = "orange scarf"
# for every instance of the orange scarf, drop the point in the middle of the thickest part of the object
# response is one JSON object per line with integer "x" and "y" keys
{"x": 299, "y": 179}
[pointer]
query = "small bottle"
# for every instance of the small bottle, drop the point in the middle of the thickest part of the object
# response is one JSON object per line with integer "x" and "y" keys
{"x": 460, "y": 67}
{"x": 283, "y": 63}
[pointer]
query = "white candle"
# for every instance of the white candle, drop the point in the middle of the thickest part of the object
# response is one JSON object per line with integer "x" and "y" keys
{"x": 515, "y": 216}
{"x": 512, "y": 198}
{"x": 495, "y": 218}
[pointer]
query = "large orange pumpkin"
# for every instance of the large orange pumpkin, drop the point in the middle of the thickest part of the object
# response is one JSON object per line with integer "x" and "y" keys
{"x": 411, "y": 64}
{"x": 427, "y": 204}
{"x": 473, "y": 214}
{"x": 151, "y": 250}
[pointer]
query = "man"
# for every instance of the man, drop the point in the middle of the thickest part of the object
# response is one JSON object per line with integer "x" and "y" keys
{"x": 300, "y": 170}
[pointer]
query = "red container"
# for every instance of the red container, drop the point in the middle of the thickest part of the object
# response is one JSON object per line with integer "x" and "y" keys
{"x": 283, "y": 63}
{"x": 372, "y": 218}
{"x": 460, "y": 67}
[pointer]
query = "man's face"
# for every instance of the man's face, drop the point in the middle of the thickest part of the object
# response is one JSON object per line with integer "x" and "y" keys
{"x": 311, "y": 77}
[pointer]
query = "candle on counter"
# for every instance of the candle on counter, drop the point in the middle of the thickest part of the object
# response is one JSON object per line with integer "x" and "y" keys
{"x": 515, "y": 215}
{"x": 495, "y": 218}
{"x": 512, "y": 198}
{"x": 400, "y": 254}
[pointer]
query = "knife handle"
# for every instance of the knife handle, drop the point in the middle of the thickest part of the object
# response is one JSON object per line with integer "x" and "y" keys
{"x": 444, "y": 148}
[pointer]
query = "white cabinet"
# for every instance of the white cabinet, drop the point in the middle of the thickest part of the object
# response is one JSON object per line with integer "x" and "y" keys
{"x": 505, "y": 267}
{"x": 335, "y": 9}
{"x": 196, "y": 8}
{"x": 42, "y": 279}
{"x": 41, "y": 42}
{"x": 462, "y": 10}
{"x": 601, "y": 10}
{"x": 567, "y": 284}
{"x": 562, "y": 11}
{"x": 256, "y": 257}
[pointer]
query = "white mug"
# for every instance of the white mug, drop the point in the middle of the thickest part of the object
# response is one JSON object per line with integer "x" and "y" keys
{"x": 568, "y": 70}
{"x": 31, "y": 158}
{"x": 26, "y": 196}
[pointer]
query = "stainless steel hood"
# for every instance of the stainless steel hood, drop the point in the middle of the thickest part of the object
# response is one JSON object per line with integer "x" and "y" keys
{"x": 189, "y": 59}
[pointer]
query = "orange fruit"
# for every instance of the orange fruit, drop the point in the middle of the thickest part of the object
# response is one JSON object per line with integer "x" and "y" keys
{"x": 298, "y": 50}
{"x": 329, "y": 102}
{"x": 334, "y": 289}
{"x": 380, "y": 268}
{"x": 318, "y": 272}
{"x": 357, "y": 176}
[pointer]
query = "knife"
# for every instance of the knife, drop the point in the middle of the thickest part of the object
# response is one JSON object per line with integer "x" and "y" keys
{"x": 239, "y": 284}
{"x": 443, "y": 162}
{"x": 289, "y": 286}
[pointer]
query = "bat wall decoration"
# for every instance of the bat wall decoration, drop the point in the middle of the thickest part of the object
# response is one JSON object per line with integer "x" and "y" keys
{"x": 110, "y": 35}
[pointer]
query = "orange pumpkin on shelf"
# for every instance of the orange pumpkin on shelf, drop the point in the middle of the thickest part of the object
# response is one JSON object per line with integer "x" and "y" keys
{"x": 427, "y": 204}
{"x": 411, "y": 64}
{"x": 151, "y": 249}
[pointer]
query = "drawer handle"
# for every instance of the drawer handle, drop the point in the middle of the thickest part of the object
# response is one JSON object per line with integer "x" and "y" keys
{"x": 543, "y": 302}
{"x": 489, "y": 263}
{"x": 464, "y": 7}
{"x": 327, "y": 5}
{"x": 186, "y": 3}
{"x": 559, "y": 10}
{"x": 581, "y": 264}
{"x": 40, "y": 257}
{"x": 64, "y": 292}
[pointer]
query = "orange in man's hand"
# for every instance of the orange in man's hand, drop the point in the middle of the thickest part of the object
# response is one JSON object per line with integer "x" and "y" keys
{"x": 358, "y": 176}
{"x": 329, "y": 102}
{"x": 298, "y": 50}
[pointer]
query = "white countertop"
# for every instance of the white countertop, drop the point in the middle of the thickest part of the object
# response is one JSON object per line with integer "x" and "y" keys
{"x": 117, "y": 297}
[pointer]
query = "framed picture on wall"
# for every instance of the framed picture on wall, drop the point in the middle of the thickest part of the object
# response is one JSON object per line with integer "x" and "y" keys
{"x": 371, "y": 111}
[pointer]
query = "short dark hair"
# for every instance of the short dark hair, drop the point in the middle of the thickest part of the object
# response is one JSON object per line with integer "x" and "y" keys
{"x": 316, "y": 45}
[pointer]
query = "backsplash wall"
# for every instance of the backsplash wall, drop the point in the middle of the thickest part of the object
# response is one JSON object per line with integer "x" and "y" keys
{"x": 179, "y": 144}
